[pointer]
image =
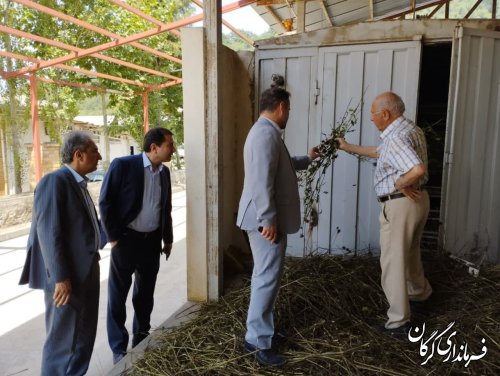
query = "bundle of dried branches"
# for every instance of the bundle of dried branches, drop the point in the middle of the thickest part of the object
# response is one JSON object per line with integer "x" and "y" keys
{"x": 330, "y": 309}
{"x": 314, "y": 177}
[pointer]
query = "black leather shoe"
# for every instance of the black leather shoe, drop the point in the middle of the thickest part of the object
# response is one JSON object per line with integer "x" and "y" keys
{"x": 422, "y": 307}
{"x": 279, "y": 339}
{"x": 400, "y": 332}
{"x": 418, "y": 307}
{"x": 265, "y": 357}
{"x": 118, "y": 356}
{"x": 403, "y": 329}
{"x": 248, "y": 347}
{"x": 269, "y": 358}
{"x": 138, "y": 337}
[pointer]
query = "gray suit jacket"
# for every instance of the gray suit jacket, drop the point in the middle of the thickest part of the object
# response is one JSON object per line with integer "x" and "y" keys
{"x": 61, "y": 243}
{"x": 270, "y": 191}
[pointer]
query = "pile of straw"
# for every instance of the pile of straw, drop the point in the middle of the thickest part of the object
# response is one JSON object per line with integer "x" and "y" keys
{"x": 330, "y": 309}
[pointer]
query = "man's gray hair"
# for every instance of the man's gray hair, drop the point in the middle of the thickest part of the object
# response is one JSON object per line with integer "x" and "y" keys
{"x": 73, "y": 141}
{"x": 392, "y": 102}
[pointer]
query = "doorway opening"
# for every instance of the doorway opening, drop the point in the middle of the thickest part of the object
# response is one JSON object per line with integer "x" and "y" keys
{"x": 432, "y": 110}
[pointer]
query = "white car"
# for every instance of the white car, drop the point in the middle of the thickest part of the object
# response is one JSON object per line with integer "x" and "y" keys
{"x": 180, "y": 151}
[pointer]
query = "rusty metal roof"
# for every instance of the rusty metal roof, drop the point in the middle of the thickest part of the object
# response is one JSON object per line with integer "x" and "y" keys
{"x": 320, "y": 14}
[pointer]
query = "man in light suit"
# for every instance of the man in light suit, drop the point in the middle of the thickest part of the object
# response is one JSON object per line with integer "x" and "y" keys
{"x": 269, "y": 210}
{"x": 136, "y": 211}
{"x": 63, "y": 258}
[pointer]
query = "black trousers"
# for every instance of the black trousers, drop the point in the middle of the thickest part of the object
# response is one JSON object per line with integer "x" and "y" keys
{"x": 135, "y": 254}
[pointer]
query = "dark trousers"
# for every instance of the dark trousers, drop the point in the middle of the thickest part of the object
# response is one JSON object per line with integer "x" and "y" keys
{"x": 135, "y": 254}
{"x": 71, "y": 329}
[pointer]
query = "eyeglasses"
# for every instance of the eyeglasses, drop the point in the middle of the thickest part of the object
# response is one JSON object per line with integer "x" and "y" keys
{"x": 377, "y": 112}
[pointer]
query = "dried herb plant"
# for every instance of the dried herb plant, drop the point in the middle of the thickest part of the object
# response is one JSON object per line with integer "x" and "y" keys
{"x": 314, "y": 177}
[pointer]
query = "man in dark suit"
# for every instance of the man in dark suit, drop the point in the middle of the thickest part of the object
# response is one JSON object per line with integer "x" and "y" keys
{"x": 63, "y": 258}
{"x": 136, "y": 206}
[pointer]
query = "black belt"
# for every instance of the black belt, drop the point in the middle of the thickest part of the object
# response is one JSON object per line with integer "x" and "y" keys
{"x": 142, "y": 235}
{"x": 391, "y": 196}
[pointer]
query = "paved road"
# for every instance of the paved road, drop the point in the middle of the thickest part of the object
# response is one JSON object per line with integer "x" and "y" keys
{"x": 22, "y": 328}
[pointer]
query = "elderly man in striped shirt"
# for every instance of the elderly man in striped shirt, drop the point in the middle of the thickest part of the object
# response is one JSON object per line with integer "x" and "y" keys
{"x": 400, "y": 175}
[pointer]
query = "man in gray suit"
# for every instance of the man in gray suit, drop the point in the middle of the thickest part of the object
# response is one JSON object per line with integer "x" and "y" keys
{"x": 269, "y": 209}
{"x": 63, "y": 258}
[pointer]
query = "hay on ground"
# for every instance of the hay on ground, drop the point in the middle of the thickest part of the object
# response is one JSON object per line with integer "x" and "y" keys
{"x": 330, "y": 309}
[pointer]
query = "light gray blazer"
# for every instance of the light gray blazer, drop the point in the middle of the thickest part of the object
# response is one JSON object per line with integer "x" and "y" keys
{"x": 270, "y": 191}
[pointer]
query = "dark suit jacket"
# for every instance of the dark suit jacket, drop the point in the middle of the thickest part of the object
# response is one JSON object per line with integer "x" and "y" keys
{"x": 61, "y": 243}
{"x": 120, "y": 200}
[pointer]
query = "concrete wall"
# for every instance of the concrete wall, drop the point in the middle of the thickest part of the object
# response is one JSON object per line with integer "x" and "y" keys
{"x": 51, "y": 161}
{"x": 194, "y": 142}
{"x": 16, "y": 209}
{"x": 236, "y": 119}
{"x": 238, "y": 96}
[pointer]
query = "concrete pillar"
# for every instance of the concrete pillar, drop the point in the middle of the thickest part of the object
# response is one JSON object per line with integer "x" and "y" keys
{"x": 202, "y": 175}
{"x": 214, "y": 147}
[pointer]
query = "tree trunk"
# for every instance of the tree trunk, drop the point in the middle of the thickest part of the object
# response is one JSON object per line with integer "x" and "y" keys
{"x": 11, "y": 126}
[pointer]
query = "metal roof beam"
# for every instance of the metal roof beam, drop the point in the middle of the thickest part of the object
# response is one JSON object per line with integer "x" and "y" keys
{"x": 278, "y": 20}
{"x": 469, "y": 13}
{"x": 102, "y": 47}
{"x": 325, "y": 12}
{"x": 436, "y": 9}
{"x": 69, "y": 83}
{"x": 141, "y": 14}
{"x": 73, "y": 69}
{"x": 126, "y": 40}
{"x": 228, "y": 25}
{"x": 88, "y": 26}
{"x": 64, "y": 46}
{"x": 411, "y": 10}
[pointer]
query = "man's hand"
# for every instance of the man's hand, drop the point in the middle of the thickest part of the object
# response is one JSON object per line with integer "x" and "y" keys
{"x": 364, "y": 151}
{"x": 113, "y": 243}
{"x": 314, "y": 153}
{"x": 412, "y": 193}
{"x": 167, "y": 249}
{"x": 62, "y": 292}
{"x": 269, "y": 233}
{"x": 342, "y": 143}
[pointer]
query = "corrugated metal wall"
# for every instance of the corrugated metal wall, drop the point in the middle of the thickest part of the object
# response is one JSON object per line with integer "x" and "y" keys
{"x": 471, "y": 221}
{"x": 341, "y": 12}
{"x": 348, "y": 206}
{"x": 299, "y": 67}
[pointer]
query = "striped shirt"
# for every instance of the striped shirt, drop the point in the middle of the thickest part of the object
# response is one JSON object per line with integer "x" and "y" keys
{"x": 403, "y": 147}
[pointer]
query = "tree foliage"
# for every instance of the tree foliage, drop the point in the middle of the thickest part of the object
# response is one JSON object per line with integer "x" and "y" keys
{"x": 58, "y": 105}
{"x": 459, "y": 8}
{"x": 234, "y": 42}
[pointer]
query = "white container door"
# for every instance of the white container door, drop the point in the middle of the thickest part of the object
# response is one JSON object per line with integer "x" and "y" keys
{"x": 471, "y": 202}
{"x": 348, "y": 209}
{"x": 298, "y": 66}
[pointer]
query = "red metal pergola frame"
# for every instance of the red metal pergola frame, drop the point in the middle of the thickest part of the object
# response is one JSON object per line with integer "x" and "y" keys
{"x": 29, "y": 72}
{"x": 75, "y": 52}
